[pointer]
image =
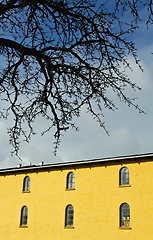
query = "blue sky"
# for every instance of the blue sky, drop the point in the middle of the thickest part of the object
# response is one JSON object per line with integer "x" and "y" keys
{"x": 130, "y": 132}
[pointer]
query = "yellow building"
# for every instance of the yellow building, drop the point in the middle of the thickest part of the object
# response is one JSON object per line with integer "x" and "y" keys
{"x": 108, "y": 199}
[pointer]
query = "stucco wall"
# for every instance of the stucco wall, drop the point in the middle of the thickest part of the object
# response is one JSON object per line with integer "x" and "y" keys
{"x": 96, "y": 201}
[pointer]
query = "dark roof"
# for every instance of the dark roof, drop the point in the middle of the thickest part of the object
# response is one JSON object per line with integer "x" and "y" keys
{"x": 42, "y": 166}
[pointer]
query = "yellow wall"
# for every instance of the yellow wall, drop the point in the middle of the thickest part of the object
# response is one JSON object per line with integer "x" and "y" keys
{"x": 96, "y": 201}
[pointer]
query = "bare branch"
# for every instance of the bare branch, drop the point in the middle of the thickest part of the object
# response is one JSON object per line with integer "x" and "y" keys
{"x": 61, "y": 55}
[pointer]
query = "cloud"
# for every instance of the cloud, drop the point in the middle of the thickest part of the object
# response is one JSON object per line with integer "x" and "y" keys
{"x": 130, "y": 132}
{"x": 92, "y": 141}
{"x": 3, "y": 134}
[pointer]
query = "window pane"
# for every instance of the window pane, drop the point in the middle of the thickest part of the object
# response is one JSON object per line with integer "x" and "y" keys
{"x": 124, "y": 176}
{"x": 24, "y": 215}
{"x": 26, "y": 186}
{"x": 125, "y": 215}
{"x": 71, "y": 180}
{"x": 69, "y": 215}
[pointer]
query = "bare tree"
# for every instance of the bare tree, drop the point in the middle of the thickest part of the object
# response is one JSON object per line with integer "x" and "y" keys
{"x": 61, "y": 55}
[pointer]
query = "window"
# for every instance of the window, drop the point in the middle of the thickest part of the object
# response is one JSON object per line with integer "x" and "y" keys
{"x": 24, "y": 216}
{"x": 26, "y": 184}
{"x": 69, "y": 215}
{"x": 70, "y": 180}
{"x": 124, "y": 215}
{"x": 124, "y": 176}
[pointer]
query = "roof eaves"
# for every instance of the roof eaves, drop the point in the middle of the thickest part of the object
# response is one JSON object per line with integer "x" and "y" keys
{"x": 58, "y": 165}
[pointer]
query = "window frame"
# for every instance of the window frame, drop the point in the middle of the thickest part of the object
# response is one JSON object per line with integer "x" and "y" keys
{"x": 26, "y": 184}
{"x": 69, "y": 216}
{"x": 70, "y": 181}
{"x": 124, "y": 213}
{"x": 124, "y": 177}
{"x": 24, "y": 217}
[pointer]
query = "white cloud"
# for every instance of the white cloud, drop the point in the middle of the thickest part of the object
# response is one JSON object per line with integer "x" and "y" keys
{"x": 130, "y": 132}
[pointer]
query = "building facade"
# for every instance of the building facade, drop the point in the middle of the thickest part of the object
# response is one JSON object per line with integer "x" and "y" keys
{"x": 96, "y": 199}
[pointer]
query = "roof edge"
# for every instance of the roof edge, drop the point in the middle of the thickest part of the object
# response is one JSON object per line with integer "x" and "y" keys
{"x": 75, "y": 163}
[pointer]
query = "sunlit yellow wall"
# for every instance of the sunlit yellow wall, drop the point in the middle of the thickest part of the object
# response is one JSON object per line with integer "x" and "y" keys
{"x": 96, "y": 201}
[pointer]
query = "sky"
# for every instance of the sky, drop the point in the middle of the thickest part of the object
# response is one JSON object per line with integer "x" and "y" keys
{"x": 130, "y": 132}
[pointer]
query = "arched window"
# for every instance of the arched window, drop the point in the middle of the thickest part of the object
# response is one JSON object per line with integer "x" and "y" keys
{"x": 69, "y": 214}
{"x": 125, "y": 215}
{"x": 70, "y": 180}
{"x": 124, "y": 176}
{"x": 26, "y": 184}
{"x": 24, "y": 216}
